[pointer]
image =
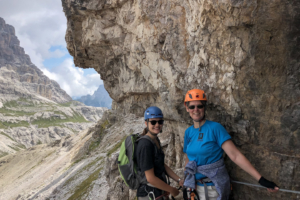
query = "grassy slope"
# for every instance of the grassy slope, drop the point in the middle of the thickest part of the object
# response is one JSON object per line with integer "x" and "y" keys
{"x": 26, "y": 107}
{"x": 81, "y": 175}
{"x": 82, "y": 190}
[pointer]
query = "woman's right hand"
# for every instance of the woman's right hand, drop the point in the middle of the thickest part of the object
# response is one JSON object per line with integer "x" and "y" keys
{"x": 181, "y": 182}
{"x": 174, "y": 192}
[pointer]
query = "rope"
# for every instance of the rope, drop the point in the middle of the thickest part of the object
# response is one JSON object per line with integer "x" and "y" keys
{"x": 282, "y": 190}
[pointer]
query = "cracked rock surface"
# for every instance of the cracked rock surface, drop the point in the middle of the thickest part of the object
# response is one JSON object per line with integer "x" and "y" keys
{"x": 243, "y": 53}
{"x": 19, "y": 77}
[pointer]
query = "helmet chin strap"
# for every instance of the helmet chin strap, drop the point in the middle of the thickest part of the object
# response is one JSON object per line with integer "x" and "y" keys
{"x": 203, "y": 118}
{"x": 199, "y": 120}
{"x": 155, "y": 135}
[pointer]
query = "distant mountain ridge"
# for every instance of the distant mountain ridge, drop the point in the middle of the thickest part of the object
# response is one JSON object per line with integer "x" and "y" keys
{"x": 33, "y": 108}
{"x": 100, "y": 98}
{"x": 19, "y": 76}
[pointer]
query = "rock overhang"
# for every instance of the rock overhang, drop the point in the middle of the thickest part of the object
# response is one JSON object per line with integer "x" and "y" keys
{"x": 242, "y": 53}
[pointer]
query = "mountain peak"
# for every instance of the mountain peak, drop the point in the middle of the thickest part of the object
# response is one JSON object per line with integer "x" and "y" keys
{"x": 19, "y": 76}
{"x": 100, "y": 98}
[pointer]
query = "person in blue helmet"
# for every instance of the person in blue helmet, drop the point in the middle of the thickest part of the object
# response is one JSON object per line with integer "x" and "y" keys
{"x": 150, "y": 159}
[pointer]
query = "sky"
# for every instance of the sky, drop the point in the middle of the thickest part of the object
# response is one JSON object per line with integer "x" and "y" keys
{"x": 41, "y": 26}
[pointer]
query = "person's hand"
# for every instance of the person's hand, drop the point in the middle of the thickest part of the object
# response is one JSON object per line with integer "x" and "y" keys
{"x": 273, "y": 190}
{"x": 174, "y": 192}
{"x": 271, "y": 186}
{"x": 181, "y": 183}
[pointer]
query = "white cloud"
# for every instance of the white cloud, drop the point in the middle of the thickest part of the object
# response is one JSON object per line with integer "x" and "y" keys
{"x": 40, "y": 25}
{"x": 72, "y": 79}
{"x": 56, "y": 54}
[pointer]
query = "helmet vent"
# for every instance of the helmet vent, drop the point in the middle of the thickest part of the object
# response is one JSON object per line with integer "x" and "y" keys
{"x": 153, "y": 112}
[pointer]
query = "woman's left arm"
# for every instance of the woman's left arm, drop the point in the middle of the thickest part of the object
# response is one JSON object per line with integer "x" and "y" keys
{"x": 238, "y": 158}
{"x": 173, "y": 175}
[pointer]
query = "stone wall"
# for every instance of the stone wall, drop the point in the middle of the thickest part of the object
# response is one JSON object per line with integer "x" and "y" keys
{"x": 243, "y": 53}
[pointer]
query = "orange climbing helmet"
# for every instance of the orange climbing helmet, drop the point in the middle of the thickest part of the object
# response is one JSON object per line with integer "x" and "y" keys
{"x": 195, "y": 95}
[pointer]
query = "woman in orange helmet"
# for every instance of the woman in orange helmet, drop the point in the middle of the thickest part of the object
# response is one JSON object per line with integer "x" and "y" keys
{"x": 204, "y": 144}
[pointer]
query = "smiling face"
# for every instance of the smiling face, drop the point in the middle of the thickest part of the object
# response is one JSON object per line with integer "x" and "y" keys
{"x": 155, "y": 129}
{"x": 197, "y": 113}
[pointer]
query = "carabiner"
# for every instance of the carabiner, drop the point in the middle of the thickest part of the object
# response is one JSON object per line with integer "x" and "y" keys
{"x": 152, "y": 194}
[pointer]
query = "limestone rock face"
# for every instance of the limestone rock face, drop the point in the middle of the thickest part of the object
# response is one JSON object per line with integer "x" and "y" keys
{"x": 23, "y": 126}
{"x": 19, "y": 77}
{"x": 243, "y": 53}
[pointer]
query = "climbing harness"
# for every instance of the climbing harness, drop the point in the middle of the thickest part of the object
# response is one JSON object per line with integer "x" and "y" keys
{"x": 249, "y": 184}
{"x": 166, "y": 195}
{"x": 204, "y": 181}
{"x": 153, "y": 195}
{"x": 190, "y": 194}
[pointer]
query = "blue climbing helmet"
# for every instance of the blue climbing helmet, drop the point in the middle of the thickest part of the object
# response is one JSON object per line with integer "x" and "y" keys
{"x": 153, "y": 112}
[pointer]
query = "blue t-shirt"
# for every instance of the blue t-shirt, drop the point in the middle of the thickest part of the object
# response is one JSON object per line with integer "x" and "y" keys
{"x": 205, "y": 147}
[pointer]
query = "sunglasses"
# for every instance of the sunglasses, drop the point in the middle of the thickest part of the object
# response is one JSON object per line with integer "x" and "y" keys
{"x": 159, "y": 122}
{"x": 198, "y": 106}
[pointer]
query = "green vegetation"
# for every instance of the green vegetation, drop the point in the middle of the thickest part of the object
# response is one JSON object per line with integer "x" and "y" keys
{"x": 75, "y": 162}
{"x": 2, "y": 126}
{"x": 8, "y": 112}
{"x": 8, "y": 107}
{"x": 104, "y": 124}
{"x": 91, "y": 164}
{"x": 83, "y": 169}
{"x": 82, "y": 189}
{"x": 21, "y": 146}
{"x": 6, "y": 125}
{"x": 2, "y": 154}
{"x": 50, "y": 107}
{"x": 18, "y": 103}
{"x": 116, "y": 147}
{"x": 93, "y": 145}
{"x": 26, "y": 107}
{"x": 14, "y": 148}
{"x": 67, "y": 104}
{"x": 6, "y": 135}
{"x": 39, "y": 142}
{"x": 57, "y": 121}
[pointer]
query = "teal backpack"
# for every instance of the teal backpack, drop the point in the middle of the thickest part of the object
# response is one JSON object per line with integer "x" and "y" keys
{"x": 127, "y": 164}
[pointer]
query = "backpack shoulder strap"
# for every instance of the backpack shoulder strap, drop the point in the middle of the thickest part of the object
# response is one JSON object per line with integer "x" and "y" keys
{"x": 148, "y": 138}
